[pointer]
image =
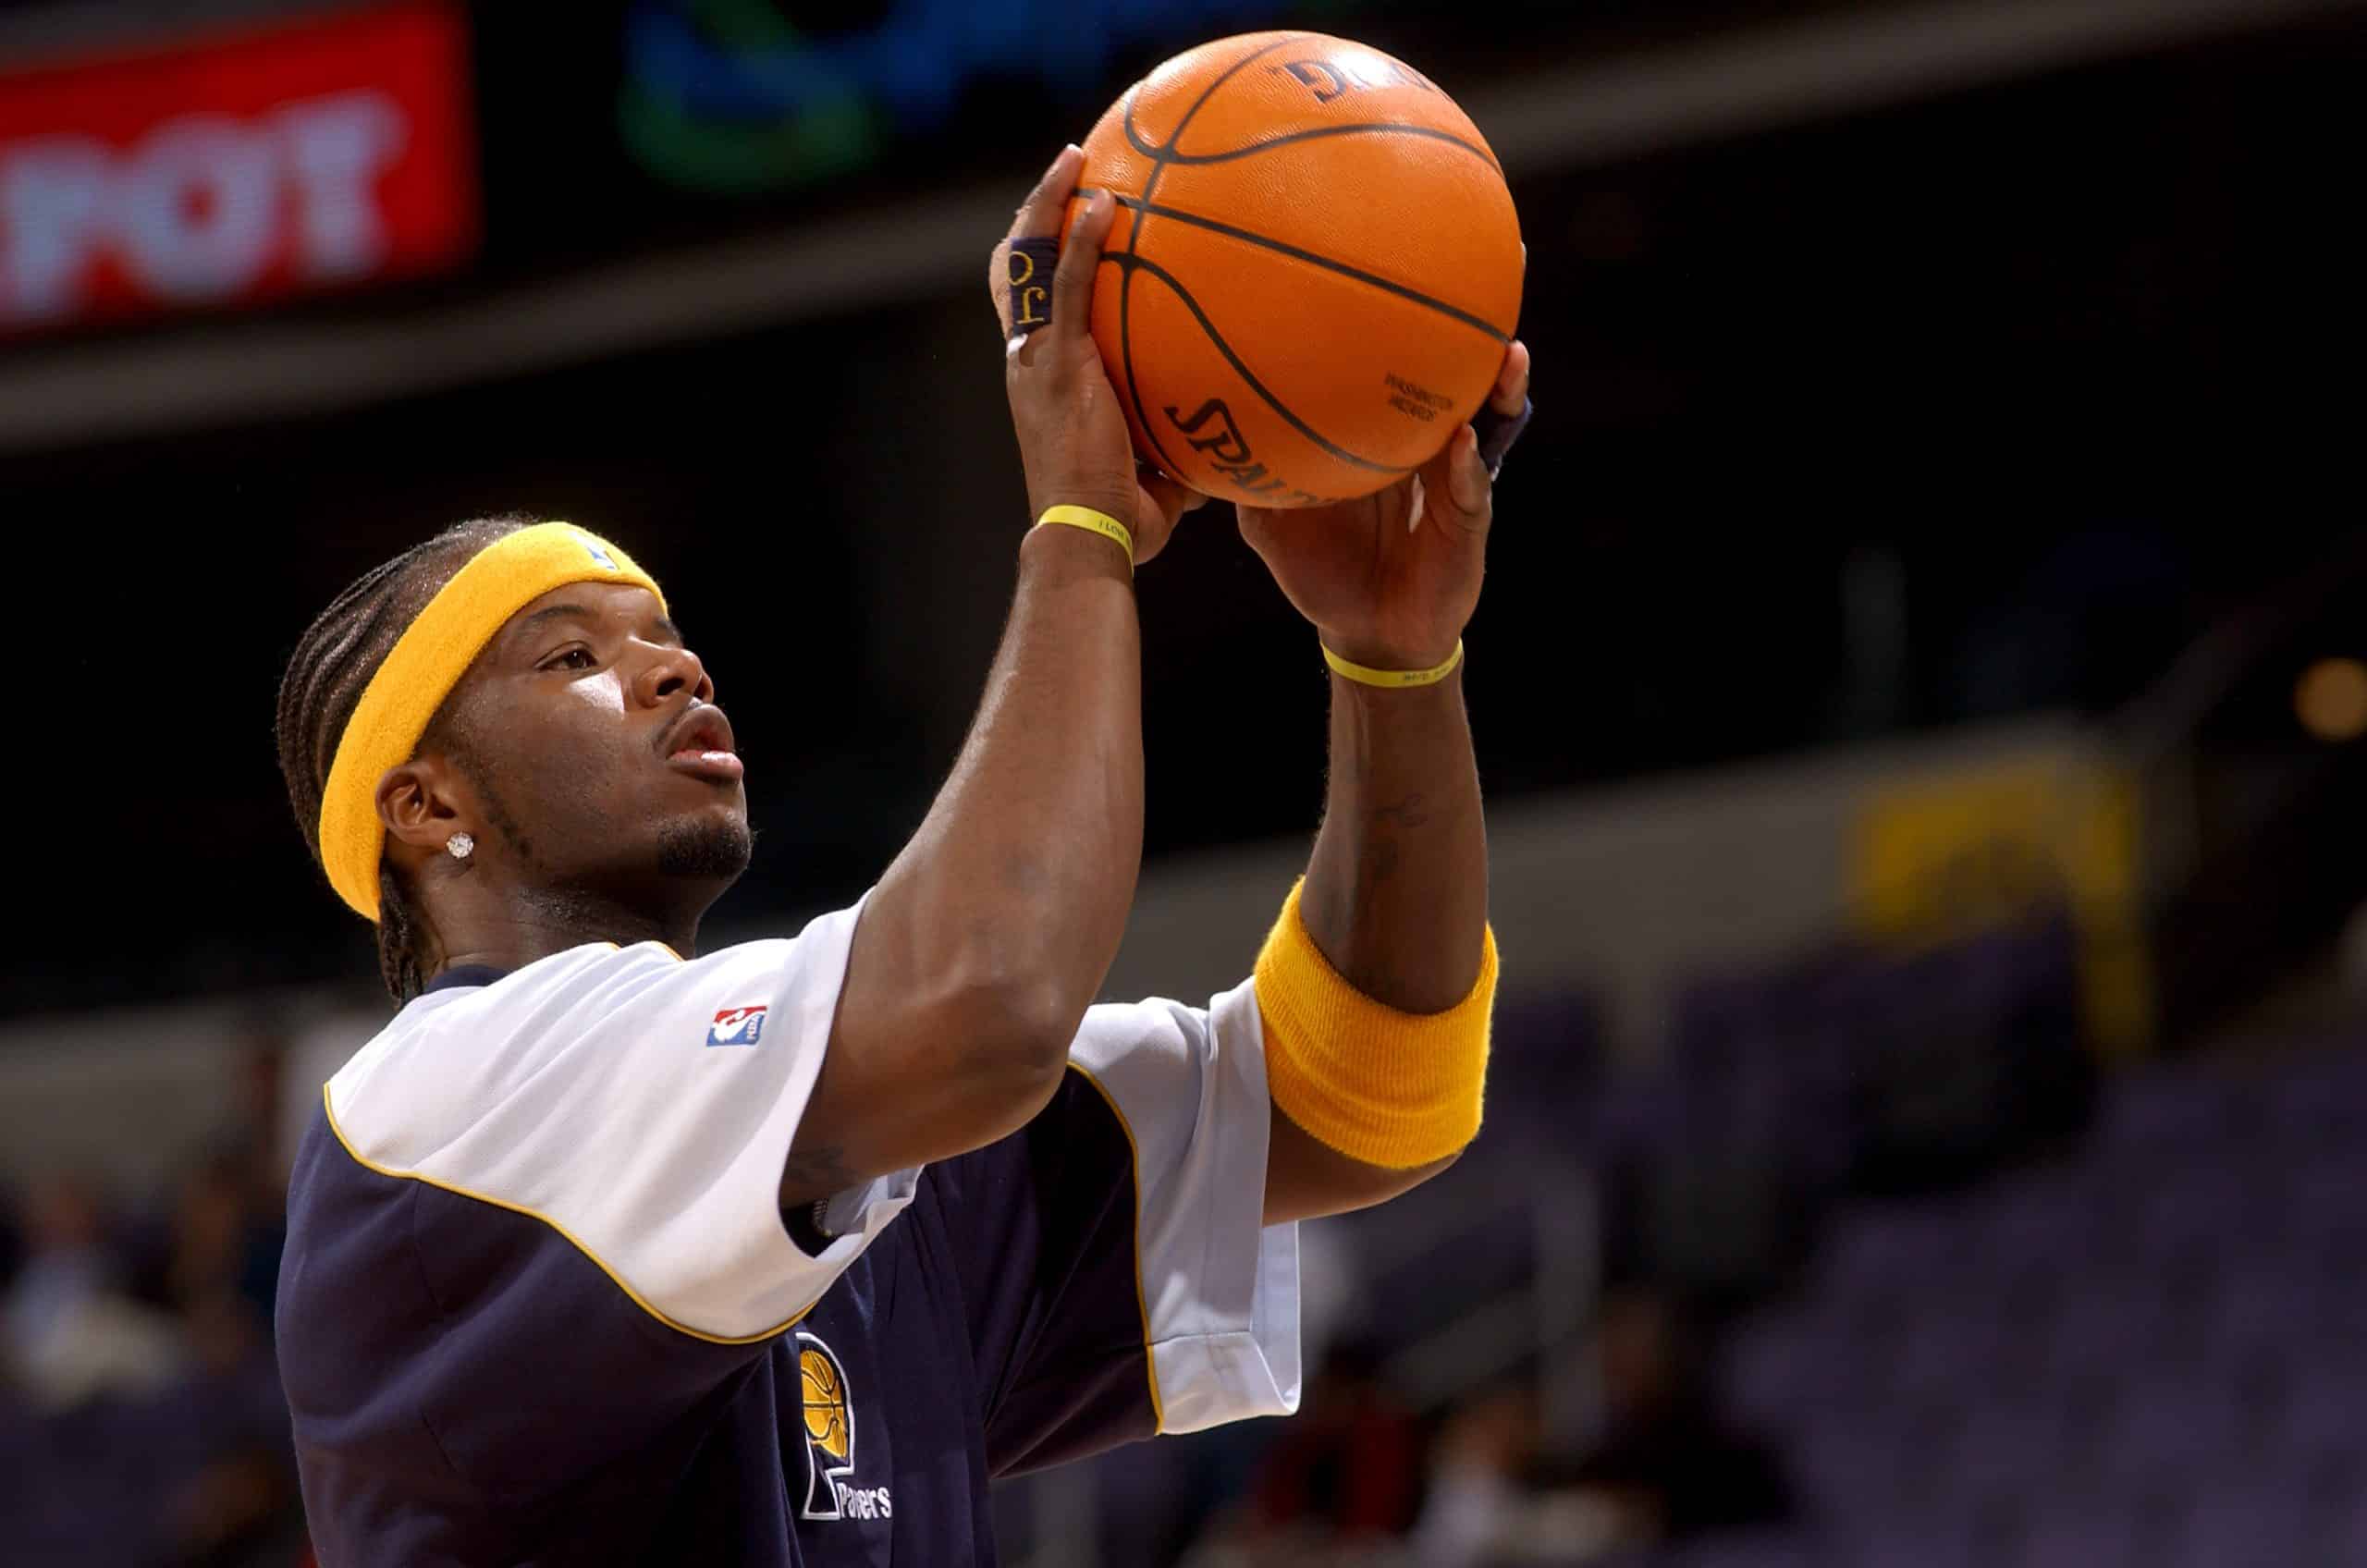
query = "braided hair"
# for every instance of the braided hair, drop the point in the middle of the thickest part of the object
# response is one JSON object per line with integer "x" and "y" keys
{"x": 327, "y": 675}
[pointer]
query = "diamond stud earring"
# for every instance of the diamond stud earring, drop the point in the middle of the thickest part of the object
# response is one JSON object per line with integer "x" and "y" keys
{"x": 459, "y": 846}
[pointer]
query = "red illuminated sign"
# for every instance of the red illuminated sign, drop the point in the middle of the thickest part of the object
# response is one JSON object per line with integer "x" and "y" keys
{"x": 239, "y": 168}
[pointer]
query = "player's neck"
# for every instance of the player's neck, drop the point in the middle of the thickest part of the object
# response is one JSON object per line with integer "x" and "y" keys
{"x": 522, "y": 929}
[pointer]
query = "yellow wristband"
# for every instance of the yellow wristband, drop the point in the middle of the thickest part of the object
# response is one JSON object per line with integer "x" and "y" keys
{"x": 1390, "y": 1088}
{"x": 1092, "y": 522}
{"x": 1365, "y": 674}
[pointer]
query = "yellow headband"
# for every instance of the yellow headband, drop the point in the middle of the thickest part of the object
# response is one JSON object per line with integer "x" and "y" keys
{"x": 421, "y": 668}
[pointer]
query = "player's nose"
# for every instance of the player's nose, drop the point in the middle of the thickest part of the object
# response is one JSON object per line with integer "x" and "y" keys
{"x": 671, "y": 671}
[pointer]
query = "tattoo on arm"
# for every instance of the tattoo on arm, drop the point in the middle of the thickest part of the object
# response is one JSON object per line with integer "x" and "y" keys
{"x": 1380, "y": 835}
{"x": 1380, "y": 853}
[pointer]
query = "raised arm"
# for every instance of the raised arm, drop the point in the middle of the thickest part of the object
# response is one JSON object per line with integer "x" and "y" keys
{"x": 985, "y": 941}
{"x": 1396, "y": 898}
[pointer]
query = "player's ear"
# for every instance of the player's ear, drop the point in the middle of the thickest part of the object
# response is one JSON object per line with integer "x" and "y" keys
{"x": 424, "y": 802}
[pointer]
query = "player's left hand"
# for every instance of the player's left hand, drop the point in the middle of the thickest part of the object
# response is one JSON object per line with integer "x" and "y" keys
{"x": 1390, "y": 578}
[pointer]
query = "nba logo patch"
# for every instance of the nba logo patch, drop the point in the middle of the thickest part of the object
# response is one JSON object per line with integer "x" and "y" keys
{"x": 736, "y": 1026}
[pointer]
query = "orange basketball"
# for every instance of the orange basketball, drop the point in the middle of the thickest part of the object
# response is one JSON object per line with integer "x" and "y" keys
{"x": 1313, "y": 273}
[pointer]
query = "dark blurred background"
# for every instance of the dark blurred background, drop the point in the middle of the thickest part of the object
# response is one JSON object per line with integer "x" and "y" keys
{"x": 1921, "y": 689}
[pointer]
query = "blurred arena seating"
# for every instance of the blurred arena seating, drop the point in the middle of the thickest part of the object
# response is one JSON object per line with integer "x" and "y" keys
{"x": 140, "y": 1414}
{"x": 2147, "y": 1351}
{"x": 1852, "y": 1069}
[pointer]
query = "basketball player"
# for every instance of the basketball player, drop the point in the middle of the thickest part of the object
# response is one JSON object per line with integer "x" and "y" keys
{"x": 610, "y": 1251}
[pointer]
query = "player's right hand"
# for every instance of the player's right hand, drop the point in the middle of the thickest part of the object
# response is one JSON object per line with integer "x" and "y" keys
{"x": 1073, "y": 437}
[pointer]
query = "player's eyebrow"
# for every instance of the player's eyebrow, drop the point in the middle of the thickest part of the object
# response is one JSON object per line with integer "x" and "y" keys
{"x": 662, "y": 625}
{"x": 550, "y": 613}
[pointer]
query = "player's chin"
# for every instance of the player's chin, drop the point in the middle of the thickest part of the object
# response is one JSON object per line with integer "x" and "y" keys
{"x": 715, "y": 843}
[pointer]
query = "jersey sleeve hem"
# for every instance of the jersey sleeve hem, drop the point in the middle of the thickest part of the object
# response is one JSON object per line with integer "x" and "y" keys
{"x": 1223, "y": 1377}
{"x": 1219, "y": 1288}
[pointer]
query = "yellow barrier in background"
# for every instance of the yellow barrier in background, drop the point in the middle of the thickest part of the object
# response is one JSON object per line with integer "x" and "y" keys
{"x": 1943, "y": 856}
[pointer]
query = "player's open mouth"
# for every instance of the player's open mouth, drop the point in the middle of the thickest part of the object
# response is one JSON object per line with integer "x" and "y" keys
{"x": 701, "y": 743}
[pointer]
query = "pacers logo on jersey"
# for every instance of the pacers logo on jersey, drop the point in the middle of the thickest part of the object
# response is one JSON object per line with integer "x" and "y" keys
{"x": 830, "y": 1438}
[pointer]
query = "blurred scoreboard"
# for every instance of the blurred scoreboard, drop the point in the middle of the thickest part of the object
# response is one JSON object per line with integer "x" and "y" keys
{"x": 739, "y": 95}
{"x": 237, "y": 164}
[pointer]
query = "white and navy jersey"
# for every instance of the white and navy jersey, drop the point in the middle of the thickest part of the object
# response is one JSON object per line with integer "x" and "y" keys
{"x": 539, "y": 1303}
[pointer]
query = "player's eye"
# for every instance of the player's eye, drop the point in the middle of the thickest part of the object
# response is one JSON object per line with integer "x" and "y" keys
{"x": 570, "y": 659}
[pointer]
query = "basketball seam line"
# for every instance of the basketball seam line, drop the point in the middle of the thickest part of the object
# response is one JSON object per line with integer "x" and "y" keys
{"x": 1191, "y": 159}
{"x": 1135, "y": 236}
{"x": 1161, "y": 159}
{"x": 1130, "y": 261}
{"x": 1283, "y": 247}
{"x": 1168, "y": 465}
{"x": 1163, "y": 155}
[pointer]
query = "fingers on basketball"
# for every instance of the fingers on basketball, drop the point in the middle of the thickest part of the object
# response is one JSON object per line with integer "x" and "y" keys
{"x": 1435, "y": 497}
{"x": 1080, "y": 258}
{"x": 1039, "y": 215}
{"x": 1512, "y": 382}
{"x": 1455, "y": 484}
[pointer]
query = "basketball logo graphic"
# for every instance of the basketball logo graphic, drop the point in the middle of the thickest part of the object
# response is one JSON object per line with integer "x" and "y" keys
{"x": 829, "y": 1429}
{"x": 826, "y": 1402}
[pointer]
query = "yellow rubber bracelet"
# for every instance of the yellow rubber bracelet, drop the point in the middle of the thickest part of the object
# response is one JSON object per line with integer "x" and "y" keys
{"x": 1092, "y": 522}
{"x": 1364, "y": 675}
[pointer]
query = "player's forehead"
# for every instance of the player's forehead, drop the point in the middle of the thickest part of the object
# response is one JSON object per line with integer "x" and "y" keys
{"x": 605, "y": 608}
